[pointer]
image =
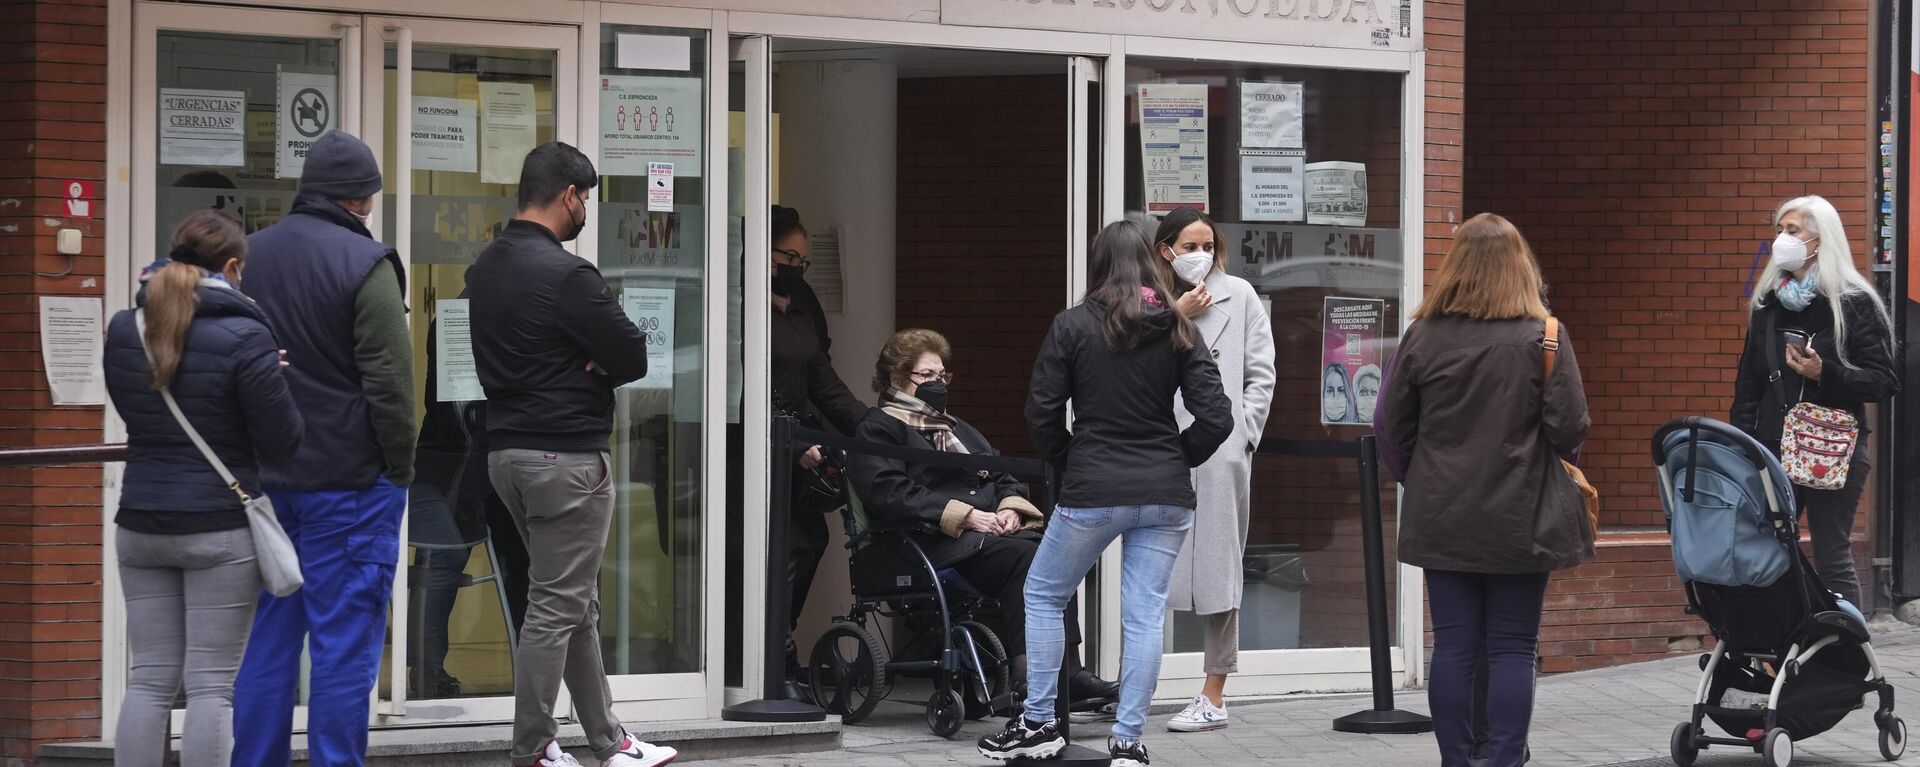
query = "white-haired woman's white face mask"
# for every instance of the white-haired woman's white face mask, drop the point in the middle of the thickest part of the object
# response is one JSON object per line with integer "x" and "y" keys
{"x": 1793, "y": 248}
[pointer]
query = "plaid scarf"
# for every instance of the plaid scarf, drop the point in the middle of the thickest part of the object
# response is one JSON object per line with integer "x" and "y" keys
{"x": 937, "y": 427}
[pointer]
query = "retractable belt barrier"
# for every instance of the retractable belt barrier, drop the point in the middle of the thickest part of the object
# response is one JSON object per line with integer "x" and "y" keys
{"x": 1383, "y": 718}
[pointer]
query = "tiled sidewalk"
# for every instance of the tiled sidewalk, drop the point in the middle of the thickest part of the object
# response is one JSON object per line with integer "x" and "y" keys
{"x": 1604, "y": 717}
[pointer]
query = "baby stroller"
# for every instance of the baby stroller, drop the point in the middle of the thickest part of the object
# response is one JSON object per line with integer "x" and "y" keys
{"x": 1791, "y": 659}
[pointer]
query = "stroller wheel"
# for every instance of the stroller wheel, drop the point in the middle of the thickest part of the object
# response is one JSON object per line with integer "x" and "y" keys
{"x": 1777, "y": 747}
{"x": 1685, "y": 749}
{"x": 1893, "y": 738}
{"x": 944, "y": 713}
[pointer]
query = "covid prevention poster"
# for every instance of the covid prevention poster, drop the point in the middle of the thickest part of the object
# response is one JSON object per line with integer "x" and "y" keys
{"x": 1351, "y": 330}
{"x": 649, "y": 119}
{"x": 1173, "y": 146}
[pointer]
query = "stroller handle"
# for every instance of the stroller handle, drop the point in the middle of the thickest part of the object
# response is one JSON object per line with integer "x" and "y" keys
{"x": 1756, "y": 452}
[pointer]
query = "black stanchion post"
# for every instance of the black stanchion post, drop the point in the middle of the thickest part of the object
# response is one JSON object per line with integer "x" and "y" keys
{"x": 1073, "y": 755}
{"x": 1383, "y": 718}
{"x": 773, "y": 705}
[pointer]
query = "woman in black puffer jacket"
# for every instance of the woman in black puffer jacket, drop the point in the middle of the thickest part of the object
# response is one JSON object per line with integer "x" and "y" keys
{"x": 1811, "y": 288}
{"x": 187, "y": 565}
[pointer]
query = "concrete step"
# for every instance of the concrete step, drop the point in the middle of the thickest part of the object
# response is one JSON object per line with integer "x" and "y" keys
{"x": 473, "y": 746}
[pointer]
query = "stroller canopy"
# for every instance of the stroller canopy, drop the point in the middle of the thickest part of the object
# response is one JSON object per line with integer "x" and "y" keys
{"x": 1729, "y": 506}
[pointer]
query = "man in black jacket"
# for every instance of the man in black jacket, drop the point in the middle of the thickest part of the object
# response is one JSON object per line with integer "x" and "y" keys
{"x": 550, "y": 344}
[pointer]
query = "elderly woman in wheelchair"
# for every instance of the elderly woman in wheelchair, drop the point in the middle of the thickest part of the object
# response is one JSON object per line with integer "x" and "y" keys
{"x": 940, "y": 546}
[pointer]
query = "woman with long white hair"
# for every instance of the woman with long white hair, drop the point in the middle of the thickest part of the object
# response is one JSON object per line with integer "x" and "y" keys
{"x": 1820, "y": 334}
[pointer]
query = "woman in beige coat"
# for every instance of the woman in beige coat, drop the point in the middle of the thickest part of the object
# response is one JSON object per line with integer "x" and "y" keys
{"x": 1237, "y": 331}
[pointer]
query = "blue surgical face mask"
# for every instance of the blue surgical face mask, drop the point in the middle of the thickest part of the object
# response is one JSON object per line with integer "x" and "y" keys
{"x": 1796, "y": 295}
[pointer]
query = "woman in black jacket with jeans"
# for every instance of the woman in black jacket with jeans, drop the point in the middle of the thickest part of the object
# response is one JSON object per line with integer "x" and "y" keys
{"x": 1811, "y": 288}
{"x": 1125, "y": 472}
{"x": 187, "y": 566}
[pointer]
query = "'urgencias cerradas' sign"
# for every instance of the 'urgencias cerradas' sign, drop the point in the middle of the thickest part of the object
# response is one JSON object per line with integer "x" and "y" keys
{"x": 1376, "y": 24}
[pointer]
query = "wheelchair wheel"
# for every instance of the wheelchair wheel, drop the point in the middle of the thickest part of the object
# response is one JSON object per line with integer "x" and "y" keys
{"x": 945, "y": 713}
{"x": 849, "y": 671}
{"x": 982, "y": 685}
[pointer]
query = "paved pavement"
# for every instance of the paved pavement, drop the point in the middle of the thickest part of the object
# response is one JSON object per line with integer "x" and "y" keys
{"x": 1610, "y": 716}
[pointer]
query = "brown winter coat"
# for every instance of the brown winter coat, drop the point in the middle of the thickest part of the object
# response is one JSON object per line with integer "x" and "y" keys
{"x": 1484, "y": 490}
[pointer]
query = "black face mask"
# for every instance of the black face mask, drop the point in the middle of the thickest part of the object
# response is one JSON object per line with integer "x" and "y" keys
{"x": 788, "y": 279}
{"x": 934, "y": 393}
{"x": 578, "y": 226}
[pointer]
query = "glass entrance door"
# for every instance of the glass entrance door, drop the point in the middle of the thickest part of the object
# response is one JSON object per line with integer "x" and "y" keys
{"x": 452, "y": 109}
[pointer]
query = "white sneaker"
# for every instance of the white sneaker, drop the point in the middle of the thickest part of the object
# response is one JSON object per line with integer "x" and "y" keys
{"x": 556, "y": 757}
{"x": 1200, "y": 716}
{"x": 639, "y": 753}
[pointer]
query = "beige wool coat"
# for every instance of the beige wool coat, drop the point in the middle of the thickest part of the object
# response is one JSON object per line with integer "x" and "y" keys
{"x": 1208, "y": 577}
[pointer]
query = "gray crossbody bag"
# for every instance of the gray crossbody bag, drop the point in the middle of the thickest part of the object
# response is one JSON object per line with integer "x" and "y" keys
{"x": 279, "y": 561}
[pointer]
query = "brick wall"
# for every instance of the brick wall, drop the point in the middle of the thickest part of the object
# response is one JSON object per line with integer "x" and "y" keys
{"x": 982, "y": 233}
{"x": 1643, "y": 155}
{"x": 53, "y": 79}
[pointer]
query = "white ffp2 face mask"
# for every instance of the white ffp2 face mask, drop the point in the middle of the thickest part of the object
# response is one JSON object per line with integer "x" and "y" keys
{"x": 1789, "y": 252}
{"x": 1193, "y": 267}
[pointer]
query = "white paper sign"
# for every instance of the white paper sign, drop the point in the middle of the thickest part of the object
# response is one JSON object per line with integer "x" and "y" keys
{"x": 70, "y": 349}
{"x": 507, "y": 131}
{"x": 660, "y": 187}
{"x": 1272, "y": 115}
{"x": 651, "y": 310}
{"x": 455, "y": 376}
{"x": 1271, "y": 187}
{"x": 1337, "y": 193}
{"x": 1173, "y": 146}
{"x": 824, "y": 274}
{"x": 206, "y": 128}
{"x": 668, "y": 52}
{"x": 649, "y": 119}
{"x": 443, "y": 135}
{"x": 306, "y": 111}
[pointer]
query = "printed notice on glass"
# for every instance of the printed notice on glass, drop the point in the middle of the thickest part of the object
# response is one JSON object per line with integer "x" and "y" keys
{"x": 1271, "y": 187}
{"x": 649, "y": 119}
{"x": 660, "y": 187}
{"x": 1173, "y": 146}
{"x": 1337, "y": 193}
{"x": 506, "y": 130}
{"x": 1350, "y": 360}
{"x": 651, "y": 310}
{"x": 306, "y": 106}
{"x": 206, "y": 128}
{"x": 70, "y": 349}
{"x": 455, "y": 377}
{"x": 443, "y": 135}
{"x": 825, "y": 273}
{"x": 1272, "y": 116}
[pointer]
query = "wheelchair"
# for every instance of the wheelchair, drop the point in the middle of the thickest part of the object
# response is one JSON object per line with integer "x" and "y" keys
{"x": 851, "y": 669}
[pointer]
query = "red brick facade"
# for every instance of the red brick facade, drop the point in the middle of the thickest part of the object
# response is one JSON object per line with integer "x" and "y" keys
{"x": 1643, "y": 154}
{"x": 53, "y": 78}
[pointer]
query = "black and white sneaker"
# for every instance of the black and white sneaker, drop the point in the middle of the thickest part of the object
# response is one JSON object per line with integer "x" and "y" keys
{"x": 1127, "y": 754}
{"x": 1021, "y": 738}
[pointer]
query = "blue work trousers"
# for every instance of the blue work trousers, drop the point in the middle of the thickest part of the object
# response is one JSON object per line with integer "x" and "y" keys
{"x": 349, "y": 544}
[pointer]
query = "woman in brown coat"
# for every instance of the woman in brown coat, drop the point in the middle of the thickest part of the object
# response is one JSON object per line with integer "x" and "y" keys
{"x": 1475, "y": 430}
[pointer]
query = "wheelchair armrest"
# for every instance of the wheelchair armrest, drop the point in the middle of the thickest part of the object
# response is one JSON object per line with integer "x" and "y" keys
{"x": 911, "y": 526}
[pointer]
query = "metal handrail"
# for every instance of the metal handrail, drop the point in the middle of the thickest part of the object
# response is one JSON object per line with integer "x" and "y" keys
{"x": 62, "y": 455}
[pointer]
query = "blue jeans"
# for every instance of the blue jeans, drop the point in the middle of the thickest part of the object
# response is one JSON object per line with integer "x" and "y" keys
{"x": 1073, "y": 542}
{"x": 349, "y": 544}
{"x": 1498, "y": 615}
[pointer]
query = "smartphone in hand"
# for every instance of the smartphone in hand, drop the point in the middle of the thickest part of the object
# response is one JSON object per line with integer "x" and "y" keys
{"x": 1795, "y": 339}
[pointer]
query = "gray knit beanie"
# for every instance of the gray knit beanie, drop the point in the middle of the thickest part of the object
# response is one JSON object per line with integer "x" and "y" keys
{"x": 340, "y": 167}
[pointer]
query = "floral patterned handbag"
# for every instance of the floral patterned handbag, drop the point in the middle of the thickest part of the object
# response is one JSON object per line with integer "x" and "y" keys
{"x": 1817, "y": 444}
